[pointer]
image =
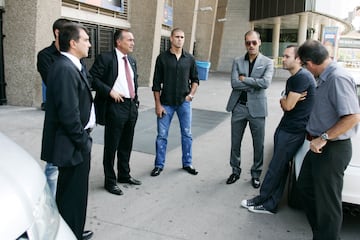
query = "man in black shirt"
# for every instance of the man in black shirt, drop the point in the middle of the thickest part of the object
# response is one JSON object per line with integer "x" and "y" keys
{"x": 174, "y": 85}
{"x": 290, "y": 134}
{"x": 45, "y": 59}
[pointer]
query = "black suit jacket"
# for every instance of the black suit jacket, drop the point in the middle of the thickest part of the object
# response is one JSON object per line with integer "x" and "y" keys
{"x": 68, "y": 107}
{"x": 104, "y": 73}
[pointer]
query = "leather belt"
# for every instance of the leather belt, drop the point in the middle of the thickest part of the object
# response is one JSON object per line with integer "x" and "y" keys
{"x": 125, "y": 100}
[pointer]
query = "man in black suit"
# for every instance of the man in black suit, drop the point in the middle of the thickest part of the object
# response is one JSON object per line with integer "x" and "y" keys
{"x": 116, "y": 106}
{"x": 69, "y": 119}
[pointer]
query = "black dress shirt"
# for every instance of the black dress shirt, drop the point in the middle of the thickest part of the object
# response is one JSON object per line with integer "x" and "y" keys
{"x": 45, "y": 59}
{"x": 173, "y": 77}
{"x": 243, "y": 95}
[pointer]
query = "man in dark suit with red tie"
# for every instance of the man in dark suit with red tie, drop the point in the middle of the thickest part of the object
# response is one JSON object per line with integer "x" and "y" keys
{"x": 116, "y": 107}
{"x": 69, "y": 118}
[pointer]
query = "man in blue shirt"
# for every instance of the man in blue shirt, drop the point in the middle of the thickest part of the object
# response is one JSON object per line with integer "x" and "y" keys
{"x": 331, "y": 125}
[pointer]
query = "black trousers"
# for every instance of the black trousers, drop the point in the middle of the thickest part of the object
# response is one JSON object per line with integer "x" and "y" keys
{"x": 286, "y": 145}
{"x": 119, "y": 134}
{"x": 72, "y": 194}
{"x": 321, "y": 183}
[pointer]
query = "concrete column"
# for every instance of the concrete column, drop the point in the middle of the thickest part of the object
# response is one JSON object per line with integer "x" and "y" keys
{"x": 276, "y": 39}
{"x": 184, "y": 14}
{"x": 206, "y": 14}
{"x": 303, "y": 19}
{"x": 316, "y": 27}
{"x": 147, "y": 31}
{"x": 193, "y": 27}
{"x": 25, "y": 36}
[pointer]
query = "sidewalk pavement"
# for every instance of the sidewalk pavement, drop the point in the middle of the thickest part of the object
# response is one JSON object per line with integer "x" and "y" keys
{"x": 176, "y": 205}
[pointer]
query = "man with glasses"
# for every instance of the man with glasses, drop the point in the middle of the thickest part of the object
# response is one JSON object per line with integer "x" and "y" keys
{"x": 251, "y": 75}
{"x": 331, "y": 125}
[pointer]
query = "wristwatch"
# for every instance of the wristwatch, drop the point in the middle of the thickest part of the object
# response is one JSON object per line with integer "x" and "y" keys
{"x": 324, "y": 136}
{"x": 191, "y": 96}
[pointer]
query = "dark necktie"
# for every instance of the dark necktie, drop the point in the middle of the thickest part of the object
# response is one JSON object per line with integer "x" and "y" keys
{"x": 128, "y": 78}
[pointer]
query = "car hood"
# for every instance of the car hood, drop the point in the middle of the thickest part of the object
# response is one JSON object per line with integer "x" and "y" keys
{"x": 355, "y": 159}
{"x": 21, "y": 185}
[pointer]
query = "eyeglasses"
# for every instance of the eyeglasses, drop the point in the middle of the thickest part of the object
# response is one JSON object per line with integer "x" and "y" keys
{"x": 249, "y": 43}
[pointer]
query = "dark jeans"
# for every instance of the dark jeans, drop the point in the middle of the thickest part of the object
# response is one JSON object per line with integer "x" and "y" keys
{"x": 321, "y": 182}
{"x": 285, "y": 147}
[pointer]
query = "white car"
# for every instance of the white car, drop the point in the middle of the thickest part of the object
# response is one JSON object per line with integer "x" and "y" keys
{"x": 351, "y": 190}
{"x": 28, "y": 210}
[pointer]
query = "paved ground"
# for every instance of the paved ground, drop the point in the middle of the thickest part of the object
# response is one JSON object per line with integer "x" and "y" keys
{"x": 176, "y": 205}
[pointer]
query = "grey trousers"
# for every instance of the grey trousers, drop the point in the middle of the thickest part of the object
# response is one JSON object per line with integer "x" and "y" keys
{"x": 239, "y": 120}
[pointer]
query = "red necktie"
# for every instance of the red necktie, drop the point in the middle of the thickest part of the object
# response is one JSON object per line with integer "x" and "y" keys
{"x": 128, "y": 78}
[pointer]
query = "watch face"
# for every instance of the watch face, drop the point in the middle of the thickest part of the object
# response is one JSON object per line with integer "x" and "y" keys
{"x": 324, "y": 136}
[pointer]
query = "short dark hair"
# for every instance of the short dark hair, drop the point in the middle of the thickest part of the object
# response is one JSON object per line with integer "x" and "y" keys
{"x": 176, "y": 30}
{"x": 70, "y": 31}
{"x": 295, "y": 49}
{"x": 314, "y": 51}
{"x": 119, "y": 35}
{"x": 252, "y": 31}
{"x": 58, "y": 24}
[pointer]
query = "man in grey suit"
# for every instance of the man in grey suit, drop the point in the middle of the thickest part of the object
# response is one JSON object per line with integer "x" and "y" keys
{"x": 250, "y": 76}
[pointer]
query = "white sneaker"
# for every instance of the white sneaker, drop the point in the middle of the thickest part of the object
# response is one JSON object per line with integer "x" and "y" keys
{"x": 259, "y": 209}
{"x": 248, "y": 203}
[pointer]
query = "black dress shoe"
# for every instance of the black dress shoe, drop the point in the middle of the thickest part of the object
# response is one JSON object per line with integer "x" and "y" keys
{"x": 87, "y": 235}
{"x": 130, "y": 181}
{"x": 191, "y": 170}
{"x": 156, "y": 171}
{"x": 232, "y": 178}
{"x": 114, "y": 189}
{"x": 255, "y": 182}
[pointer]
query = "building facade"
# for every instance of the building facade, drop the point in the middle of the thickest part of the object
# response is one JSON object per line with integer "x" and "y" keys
{"x": 214, "y": 32}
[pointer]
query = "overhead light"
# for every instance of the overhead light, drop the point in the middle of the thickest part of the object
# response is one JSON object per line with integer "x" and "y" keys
{"x": 206, "y": 9}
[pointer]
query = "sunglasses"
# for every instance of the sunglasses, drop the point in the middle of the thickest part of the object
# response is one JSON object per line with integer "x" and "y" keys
{"x": 249, "y": 43}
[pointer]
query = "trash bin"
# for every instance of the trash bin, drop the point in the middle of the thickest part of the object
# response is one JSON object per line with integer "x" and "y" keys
{"x": 203, "y": 69}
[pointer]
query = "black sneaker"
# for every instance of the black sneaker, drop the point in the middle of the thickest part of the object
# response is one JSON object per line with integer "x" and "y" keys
{"x": 259, "y": 209}
{"x": 248, "y": 203}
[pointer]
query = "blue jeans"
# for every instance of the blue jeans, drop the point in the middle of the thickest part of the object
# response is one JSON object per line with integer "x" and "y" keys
{"x": 184, "y": 114}
{"x": 43, "y": 92}
{"x": 51, "y": 173}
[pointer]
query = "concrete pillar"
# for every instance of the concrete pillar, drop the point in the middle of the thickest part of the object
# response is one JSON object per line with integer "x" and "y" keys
{"x": 276, "y": 38}
{"x": 194, "y": 27}
{"x": 25, "y": 36}
{"x": 206, "y": 14}
{"x": 147, "y": 31}
{"x": 184, "y": 18}
{"x": 303, "y": 19}
{"x": 316, "y": 28}
{"x": 235, "y": 26}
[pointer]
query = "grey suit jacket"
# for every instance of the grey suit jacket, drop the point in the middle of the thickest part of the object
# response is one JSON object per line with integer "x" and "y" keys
{"x": 255, "y": 84}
